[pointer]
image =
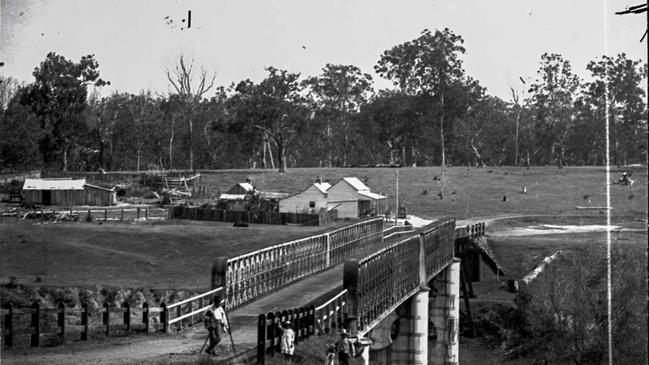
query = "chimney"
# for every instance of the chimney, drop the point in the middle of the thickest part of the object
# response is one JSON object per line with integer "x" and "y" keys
{"x": 248, "y": 180}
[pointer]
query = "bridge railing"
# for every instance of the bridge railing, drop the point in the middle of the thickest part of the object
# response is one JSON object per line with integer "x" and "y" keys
{"x": 471, "y": 230}
{"x": 378, "y": 284}
{"x": 394, "y": 234}
{"x": 249, "y": 276}
{"x": 184, "y": 313}
{"x": 439, "y": 245}
{"x": 329, "y": 315}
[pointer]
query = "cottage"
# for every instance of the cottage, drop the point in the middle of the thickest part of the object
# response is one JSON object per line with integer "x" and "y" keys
{"x": 353, "y": 199}
{"x": 236, "y": 198}
{"x": 66, "y": 192}
{"x": 310, "y": 200}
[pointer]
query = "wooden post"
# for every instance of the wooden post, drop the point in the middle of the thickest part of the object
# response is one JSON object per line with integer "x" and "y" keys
{"x": 105, "y": 215}
{"x": 145, "y": 316}
{"x": 9, "y": 326}
{"x": 106, "y": 319}
{"x": 61, "y": 321}
{"x": 84, "y": 322}
{"x": 261, "y": 339}
{"x": 36, "y": 313}
{"x": 190, "y": 308}
{"x": 138, "y": 213}
{"x": 88, "y": 216}
{"x": 121, "y": 217}
{"x": 219, "y": 268}
{"x": 164, "y": 317}
{"x": 350, "y": 282}
{"x": 146, "y": 213}
{"x": 127, "y": 315}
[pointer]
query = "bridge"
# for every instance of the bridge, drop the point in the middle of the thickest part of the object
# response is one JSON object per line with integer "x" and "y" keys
{"x": 394, "y": 288}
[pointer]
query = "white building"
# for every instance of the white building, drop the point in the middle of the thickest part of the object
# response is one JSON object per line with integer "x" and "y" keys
{"x": 310, "y": 200}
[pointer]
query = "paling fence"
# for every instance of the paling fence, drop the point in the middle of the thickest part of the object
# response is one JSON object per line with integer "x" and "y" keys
{"x": 269, "y": 334}
{"x": 248, "y": 276}
{"x": 221, "y": 215}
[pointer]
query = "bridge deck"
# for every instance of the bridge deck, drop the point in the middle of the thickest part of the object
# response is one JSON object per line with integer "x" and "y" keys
{"x": 244, "y": 318}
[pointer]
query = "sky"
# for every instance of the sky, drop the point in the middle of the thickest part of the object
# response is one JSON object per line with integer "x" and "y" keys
{"x": 136, "y": 41}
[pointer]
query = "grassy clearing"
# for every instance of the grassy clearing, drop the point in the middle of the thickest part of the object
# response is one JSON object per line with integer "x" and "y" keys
{"x": 171, "y": 255}
{"x": 468, "y": 192}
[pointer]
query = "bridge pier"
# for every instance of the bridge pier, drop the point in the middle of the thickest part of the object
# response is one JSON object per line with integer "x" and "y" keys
{"x": 445, "y": 316}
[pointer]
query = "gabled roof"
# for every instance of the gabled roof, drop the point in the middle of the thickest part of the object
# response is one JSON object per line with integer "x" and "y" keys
{"x": 226, "y": 196}
{"x": 323, "y": 187}
{"x": 356, "y": 184}
{"x": 54, "y": 184}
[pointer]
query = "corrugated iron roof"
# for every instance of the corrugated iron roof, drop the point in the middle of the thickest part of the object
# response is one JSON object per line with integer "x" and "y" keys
{"x": 356, "y": 184}
{"x": 233, "y": 196}
{"x": 54, "y": 184}
{"x": 372, "y": 195}
{"x": 323, "y": 187}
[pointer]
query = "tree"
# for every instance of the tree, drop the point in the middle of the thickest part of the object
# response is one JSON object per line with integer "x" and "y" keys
{"x": 425, "y": 65}
{"x": 275, "y": 108}
{"x": 191, "y": 94}
{"x": 552, "y": 101}
{"x": 339, "y": 92}
{"x": 618, "y": 80}
{"x": 19, "y": 135}
{"x": 58, "y": 99}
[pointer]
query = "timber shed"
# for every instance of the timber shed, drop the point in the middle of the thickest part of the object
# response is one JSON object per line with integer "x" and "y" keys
{"x": 66, "y": 192}
{"x": 310, "y": 200}
{"x": 354, "y": 199}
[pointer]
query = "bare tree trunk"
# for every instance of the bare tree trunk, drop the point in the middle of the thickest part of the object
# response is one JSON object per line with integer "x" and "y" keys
{"x": 171, "y": 145}
{"x": 270, "y": 155}
{"x": 65, "y": 157}
{"x": 263, "y": 153}
{"x": 191, "y": 143}
{"x": 441, "y": 132}
{"x": 139, "y": 156}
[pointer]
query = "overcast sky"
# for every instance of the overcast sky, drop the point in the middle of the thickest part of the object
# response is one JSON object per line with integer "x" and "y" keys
{"x": 134, "y": 41}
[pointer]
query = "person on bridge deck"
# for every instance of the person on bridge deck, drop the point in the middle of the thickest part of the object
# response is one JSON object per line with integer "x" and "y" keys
{"x": 215, "y": 322}
{"x": 345, "y": 348}
{"x": 288, "y": 340}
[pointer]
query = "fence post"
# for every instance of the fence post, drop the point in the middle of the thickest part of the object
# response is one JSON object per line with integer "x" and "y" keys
{"x": 190, "y": 308}
{"x": 146, "y": 214}
{"x": 106, "y": 318}
{"x": 219, "y": 268}
{"x": 350, "y": 282}
{"x": 145, "y": 316}
{"x": 36, "y": 314}
{"x": 121, "y": 217}
{"x": 61, "y": 321}
{"x": 179, "y": 313}
{"x": 84, "y": 322}
{"x": 105, "y": 215}
{"x": 272, "y": 329}
{"x": 127, "y": 315}
{"x": 261, "y": 339}
{"x": 9, "y": 325}
{"x": 164, "y": 317}
{"x": 88, "y": 216}
{"x": 312, "y": 320}
{"x": 138, "y": 213}
{"x": 328, "y": 254}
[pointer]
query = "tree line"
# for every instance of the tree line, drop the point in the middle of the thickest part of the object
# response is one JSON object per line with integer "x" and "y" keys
{"x": 435, "y": 114}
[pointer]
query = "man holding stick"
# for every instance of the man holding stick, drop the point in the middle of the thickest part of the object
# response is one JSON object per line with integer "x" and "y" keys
{"x": 215, "y": 322}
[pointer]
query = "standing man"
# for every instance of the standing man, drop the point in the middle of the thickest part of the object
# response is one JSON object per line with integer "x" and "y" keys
{"x": 215, "y": 322}
{"x": 345, "y": 348}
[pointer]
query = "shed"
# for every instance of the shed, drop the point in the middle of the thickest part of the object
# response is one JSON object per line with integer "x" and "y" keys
{"x": 312, "y": 199}
{"x": 352, "y": 198}
{"x": 236, "y": 198}
{"x": 66, "y": 192}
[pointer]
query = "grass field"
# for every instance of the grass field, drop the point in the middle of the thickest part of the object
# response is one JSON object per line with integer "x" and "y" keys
{"x": 468, "y": 192}
{"x": 169, "y": 255}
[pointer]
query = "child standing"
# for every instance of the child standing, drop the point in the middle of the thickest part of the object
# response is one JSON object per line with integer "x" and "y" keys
{"x": 288, "y": 340}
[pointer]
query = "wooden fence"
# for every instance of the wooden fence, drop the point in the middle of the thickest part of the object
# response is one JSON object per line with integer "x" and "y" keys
{"x": 109, "y": 214}
{"x": 61, "y": 324}
{"x": 57, "y": 325}
{"x": 220, "y": 215}
{"x": 269, "y": 334}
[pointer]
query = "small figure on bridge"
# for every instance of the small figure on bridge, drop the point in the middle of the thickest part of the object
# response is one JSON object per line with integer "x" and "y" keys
{"x": 345, "y": 348}
{"x": 215, "y": 321}
{"x": 288, "y": 340}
